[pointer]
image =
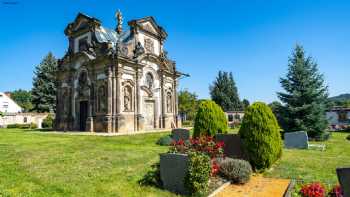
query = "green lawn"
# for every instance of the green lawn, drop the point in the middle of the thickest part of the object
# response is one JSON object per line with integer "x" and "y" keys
{"x": 314, "y": 165}
{"x": 41, "y": 164}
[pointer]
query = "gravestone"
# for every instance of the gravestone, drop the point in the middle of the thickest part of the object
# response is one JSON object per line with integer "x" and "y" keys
{"x": 178, "y": 134}
{"x": 173, "y": 170}
{"x": 344, "y": 180}
{"x": 233, "y": 145}
{"x": 297, "y": 139}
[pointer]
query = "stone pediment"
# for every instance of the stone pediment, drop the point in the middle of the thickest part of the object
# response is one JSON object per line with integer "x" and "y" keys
{"x": 81, "y": 22}
{"x": 149, "y": 25}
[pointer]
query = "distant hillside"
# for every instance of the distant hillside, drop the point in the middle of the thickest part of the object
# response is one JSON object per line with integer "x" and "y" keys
{"x": 341, "y": 97}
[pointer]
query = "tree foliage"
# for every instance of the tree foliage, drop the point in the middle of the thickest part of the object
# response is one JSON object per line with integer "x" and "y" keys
{"x": 305, "y": 95}
{"x": 261, "y": 139}
{"x": 23, "y": 98}
{"x": 224, "y": 92}
{"x": 245, "y": 103}
{"x": 210, "y": 119}
{"x": 188, "y": 104}
{"x": 44, "y": 85}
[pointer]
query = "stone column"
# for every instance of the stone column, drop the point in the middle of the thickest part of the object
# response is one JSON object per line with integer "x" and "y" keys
{"x": 138, "y": 100}
{"x": 162, "y": 100}
{"x": 114, "y": 96}
{"x": 108, "y": 116}
{"x": 119, "y": 117}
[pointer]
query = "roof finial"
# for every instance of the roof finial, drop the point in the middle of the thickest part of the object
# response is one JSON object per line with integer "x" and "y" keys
{"x": 119, "y": 17}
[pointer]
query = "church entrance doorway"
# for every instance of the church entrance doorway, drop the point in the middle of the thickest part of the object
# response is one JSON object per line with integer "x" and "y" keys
{"x": 83, "y": 115}
{"x": 149, "y": 115}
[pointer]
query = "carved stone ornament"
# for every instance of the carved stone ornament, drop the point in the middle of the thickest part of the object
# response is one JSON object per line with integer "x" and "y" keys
{"x": 149, "y": 45}
{"x": 139, "y": 50}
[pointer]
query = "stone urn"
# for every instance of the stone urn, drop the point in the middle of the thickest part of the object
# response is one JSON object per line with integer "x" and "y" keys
{"x": 173, "y": 170}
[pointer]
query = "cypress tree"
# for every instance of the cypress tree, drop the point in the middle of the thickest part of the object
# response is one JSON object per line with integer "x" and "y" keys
{"x": 44, "y": 85}
{"x": 305, "y": 95}
{"x": 224, "y": 92}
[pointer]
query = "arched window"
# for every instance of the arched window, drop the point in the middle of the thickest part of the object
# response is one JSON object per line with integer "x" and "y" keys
{"x": 149, "y": 80}
{"x": 101, "y": 99}
{"x": 127, "y": 98}
{"x": 168, "y": 102}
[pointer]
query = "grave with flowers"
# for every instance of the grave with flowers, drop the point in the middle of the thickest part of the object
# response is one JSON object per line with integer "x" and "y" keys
{"x": 190, "y": 165}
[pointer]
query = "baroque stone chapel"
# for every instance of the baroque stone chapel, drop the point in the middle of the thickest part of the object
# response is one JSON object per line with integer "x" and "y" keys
{"x": 114, "y": 80}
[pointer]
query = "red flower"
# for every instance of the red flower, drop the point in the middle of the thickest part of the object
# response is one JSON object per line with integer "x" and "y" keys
{"x": 313, "y": 190}
{"x": 336, "y": 191}
{"x": 180, "y": 142}
{"x": 214, "y": 168}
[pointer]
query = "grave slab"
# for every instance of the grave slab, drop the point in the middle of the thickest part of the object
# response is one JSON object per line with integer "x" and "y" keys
{"x": 296, "y": 139}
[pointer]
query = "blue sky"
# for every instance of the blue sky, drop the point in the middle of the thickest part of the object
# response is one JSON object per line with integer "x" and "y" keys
{"x": 253, "y": 39}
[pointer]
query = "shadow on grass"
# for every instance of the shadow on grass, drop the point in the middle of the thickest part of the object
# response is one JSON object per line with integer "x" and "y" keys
{"x": 41, "y": 130}
{"x": 152, "y": 177}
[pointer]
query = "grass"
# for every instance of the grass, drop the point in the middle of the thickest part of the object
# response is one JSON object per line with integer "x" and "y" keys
{"x": 314, "y": 165}
{"x": 46, "y": 164}
{"x": 43, "y": 164}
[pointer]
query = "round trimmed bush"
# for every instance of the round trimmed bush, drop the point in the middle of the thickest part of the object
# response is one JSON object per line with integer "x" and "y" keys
{"x": 209, "y": 120}
{"x": 261, "y": 139}
{"x": 236, "y": 170}
{"x": 165, "y": 141}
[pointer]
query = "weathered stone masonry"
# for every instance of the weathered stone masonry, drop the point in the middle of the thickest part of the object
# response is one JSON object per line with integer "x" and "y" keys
{"x": 116, "y": 81}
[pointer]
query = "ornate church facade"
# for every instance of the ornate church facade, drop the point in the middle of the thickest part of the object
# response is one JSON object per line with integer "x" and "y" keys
{"x": 115, "y": 80}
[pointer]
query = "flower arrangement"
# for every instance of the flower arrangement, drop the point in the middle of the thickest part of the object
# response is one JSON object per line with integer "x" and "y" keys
{"x": 204, "y": 144}
{"x": 313, "y": 190}
{"x": 336, "y": 192}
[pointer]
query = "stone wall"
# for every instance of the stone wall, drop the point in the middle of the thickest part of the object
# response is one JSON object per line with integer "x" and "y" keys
{"x": 22, "y": 118}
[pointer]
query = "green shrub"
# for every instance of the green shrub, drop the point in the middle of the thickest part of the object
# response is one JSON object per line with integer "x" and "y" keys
{"x": 22, "y": 126}
{"x": 165, "y": 141}
{"x": 12, "y": 126}
{"x": 152, "y": 177}
{"x": 198, "y": 175}
{"x": 209, "y": 120}
{"x": 187, "y": 123}
{"x": 236, "y": 170}
{"x": 261, "y": 139}
{"x": 348, "y": 137}
{"x": 48, "y": 122}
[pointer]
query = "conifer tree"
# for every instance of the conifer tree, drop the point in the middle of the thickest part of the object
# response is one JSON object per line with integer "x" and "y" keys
{"x": 44, "y": 85}
{"x": 224, "y": 92}
{"x": 305, "y": 95}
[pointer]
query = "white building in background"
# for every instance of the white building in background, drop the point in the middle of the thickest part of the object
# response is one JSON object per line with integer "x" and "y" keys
{"x": 7, "y": 105}
{"x": 338, "y": 116}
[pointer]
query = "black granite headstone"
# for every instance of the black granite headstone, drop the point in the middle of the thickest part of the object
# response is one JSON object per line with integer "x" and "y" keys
{"x": 344, "y": 180}
{"x": 173, "y": 170}
{"x": 178, "y": 134}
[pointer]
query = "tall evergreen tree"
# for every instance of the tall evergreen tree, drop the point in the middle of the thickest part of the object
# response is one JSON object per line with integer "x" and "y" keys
{"x": 245, "y": 103}
{"x": 224, "y": 92}
{"x": 44, "y": 85}
{"x": 305, "y": 95}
